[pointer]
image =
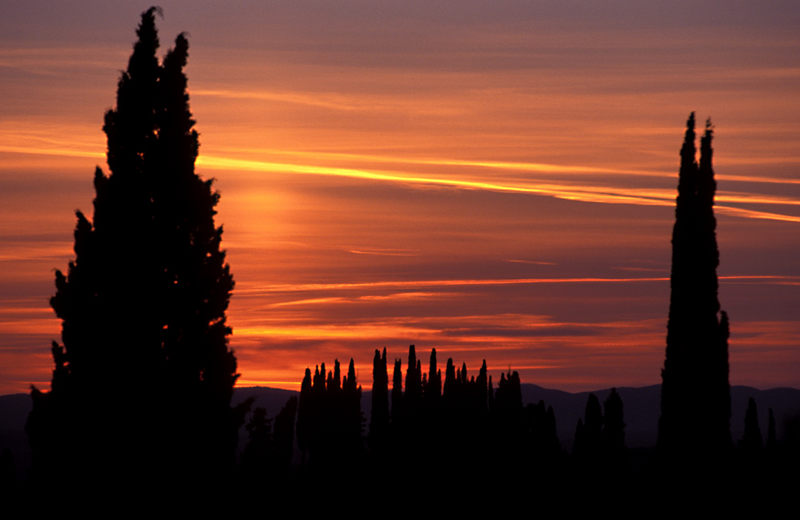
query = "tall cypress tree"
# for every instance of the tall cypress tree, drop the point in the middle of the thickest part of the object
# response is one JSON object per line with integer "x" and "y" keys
{"x": 433, "y": 388}
{"x": 752, "y": 440}
{"x": 305, "y": 414}
{"x": 588, "y": 432}
{"x": 379, "y": 418}
{"x": 397, "y": 393}
{"x": 144, "y": 375}
{"x": 695, "y": 392}
{"x": 613, "y": 434}
{"x": 413, "y": 391}
{"x": 772, "y": 440}
{"x": 352, "y": 418}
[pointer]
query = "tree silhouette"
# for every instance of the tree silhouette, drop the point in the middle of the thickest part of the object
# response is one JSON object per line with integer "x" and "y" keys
{"x": 695, "y": 392}
{"x": 256, "y": 454}
{"x": 397, "y": 393}
{"x": 379, "y": 419}
{"x": 588, "y": 432}
{"x": 772, "y": 440}
{"x": 267, "y": 455}
{"x": 613, "y": 434}
{"x": 541, "y": 428}
{"x": 432, "y": 390}
{"x": 752, "y": 440}
{"x": 452, "y": 438}
{"x": 144, "y": 375}
{"x": 413, "y": 393}
{"x": 351, "y": 417}
{"x": 329, "y": 420}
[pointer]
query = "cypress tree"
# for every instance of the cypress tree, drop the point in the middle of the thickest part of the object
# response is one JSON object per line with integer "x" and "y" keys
{"x": 351, "y": 412}
{"x": 144, "y": 375}
{"x": 551, "y": 433}
{"x": 413, "y": 381}
{"x": 283, "y": 438}
{"x": 612, "y": 441}
{"x": 329, "y": 418}
{"x": 490, "y": 398}
{"x": 752, "y": 440}
{"x": 256, "y": 454}
{"x": 695, "y": 392}
{"x": 481, "y": 390}
{"x": 579, "y": 444}
{"x": 432, "y": 390}
{"x": 397, "y": 392}
{"x": 589, "y": 431}
{"x": 379, "y": 419}
{"x": 449, "y": 390}
{"x": 305, "y": 414}
{"x": 613, "y": 436}
{"x": 772, "y": 440}
{"x": 509, "y": 392}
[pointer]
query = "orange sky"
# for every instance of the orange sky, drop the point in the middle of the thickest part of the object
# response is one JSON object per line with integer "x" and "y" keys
{"x": 493, "y": 179}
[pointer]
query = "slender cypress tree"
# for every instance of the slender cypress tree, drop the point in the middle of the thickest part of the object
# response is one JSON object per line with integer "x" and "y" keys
{"x": 305, "y": 414}
{"x": 613, "y": 435}
{"x": 352, "y": 417}
{"x": 695, "y": 392}
{"x": 481, "y": 390}
{"x": 432, "y": 390}
{"x": 379, "y": 418}
{"x": 283, "y": 438}
{"x": 413, "y": 391}
{"x": 144, "y": 375}
{"x": 588, "y": 432}
{"x": 772, "y": 440}
{"x": 255, "y": 457}
{"x": 752, "y": 440}
{"x": 449, "y": 390}
{"x": 397, "y": 393}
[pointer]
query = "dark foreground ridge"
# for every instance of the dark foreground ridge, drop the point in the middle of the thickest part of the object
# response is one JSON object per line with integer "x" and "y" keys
{"x": 332, "y": 446}
{"x": 640, "y": 408}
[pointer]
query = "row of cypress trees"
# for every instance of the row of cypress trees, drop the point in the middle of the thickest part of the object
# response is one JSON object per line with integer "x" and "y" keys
{"x": 462, "y": 422}
{"x": 459, "y": 419}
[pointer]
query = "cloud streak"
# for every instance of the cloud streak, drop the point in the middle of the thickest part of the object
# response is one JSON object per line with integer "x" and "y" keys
{"x": 250, "y": 289}
{"x": 35, "y": 142}
{"x": 593, "y": 194}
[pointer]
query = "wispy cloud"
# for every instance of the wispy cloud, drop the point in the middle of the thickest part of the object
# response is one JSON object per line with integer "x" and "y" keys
{"x": 332, "y": 101}
{"x": 572, "y": 192}
{"x": 301, "y": 287}
{"x": 367, "y": 298}
{"x": 532, "y": 262}
{"x": 33, "y": 140}
{"x": 383, "y": 252}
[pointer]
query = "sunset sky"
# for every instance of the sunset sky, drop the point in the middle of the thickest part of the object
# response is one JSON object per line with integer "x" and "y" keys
{"x": 493, "y": 179}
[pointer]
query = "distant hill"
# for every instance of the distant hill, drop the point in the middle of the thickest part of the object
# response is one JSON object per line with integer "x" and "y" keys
{"x": 641, "y": 412}
{"x": 271, "y": 399}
